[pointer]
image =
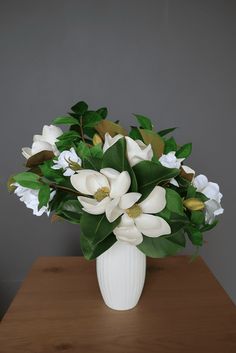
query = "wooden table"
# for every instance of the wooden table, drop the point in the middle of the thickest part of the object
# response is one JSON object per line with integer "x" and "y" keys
{"x": 59, "y": 309}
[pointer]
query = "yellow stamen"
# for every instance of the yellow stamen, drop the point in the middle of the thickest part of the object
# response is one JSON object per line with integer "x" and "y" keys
{"x": 134, "y": 211}
{"x": 101, "y": 193}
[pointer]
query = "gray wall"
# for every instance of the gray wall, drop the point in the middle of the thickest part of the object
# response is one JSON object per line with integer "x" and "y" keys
{"x": 173, "y": 61}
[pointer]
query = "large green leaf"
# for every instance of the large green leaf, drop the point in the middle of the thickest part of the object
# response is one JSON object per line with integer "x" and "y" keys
{"x": 174, "y": 202}
{"x": 92, "y": 163}
{"x": 43, "y": 195}
{"x": 90, "y": 119}
{"x": 144, "y": 122}
{"x": 184, "y": 151}
{"x": 28, "y": 180}
{"x": 96, "y": 227}
{"x": 80, "y": 108}
{"x": 166, "y": 131}
{"x": 65, "y": 120}
{"x": 175, "y": 221}
{"x": 194, "y": 234}
{"x": 115, "y": 157}
{"x": 162, "y": 246}
{"x": 70, "y": 210}
{"x": 91, "y": 250}
{"x": 150, "y": 174}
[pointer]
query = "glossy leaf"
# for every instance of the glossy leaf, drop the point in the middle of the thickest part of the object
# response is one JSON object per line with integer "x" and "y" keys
{"x": 184, "y": 151}
{"x": 107, "y": 126}
{"x": 144, "y": 122}
{"x": 80, "y": 108}
{"x": 39, "y": 158}
{"x": 170, "y": 145}
{"x": 65, "y": 120}
{"x": 156, "y": 141}
{"x": 43, "y": 196}
{"x": 91, "y": 250}
{"x": 166, "y": 131}
{"x": 150, "y": 174}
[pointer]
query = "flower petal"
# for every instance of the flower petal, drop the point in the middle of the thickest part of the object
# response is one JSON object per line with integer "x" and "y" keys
{"x": 110, "y": 173}
{"x": 120, "y": 185}
{"x": 213, "y": 209}
{"x": 137, "y": 151}
{"x": 155, "y": 202}
{"x": 200, "y": 182}
{"x": 129, "y": 199}
{"x": 113, "y": 211}
{"x": 92, "y": 206}
{"x": 79, "y": 180}
{"x": 39, "y": 146}
{"x": 26, "y": 151}
{"x": 128, "y": 232}
{"x": 188, "y": 170}
{"x": 51, "y": 133}
{"x": 152, "y": 226}
{"x": 174, "y": 182}
{"x": 211, "y": 191}
{"x": 96, "y": 181}
{"x": 109, "y": 141}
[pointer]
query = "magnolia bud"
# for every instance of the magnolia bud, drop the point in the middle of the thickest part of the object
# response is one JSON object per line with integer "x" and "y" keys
{"x": 96, "y": 139}
{"x": 194, "y": 204}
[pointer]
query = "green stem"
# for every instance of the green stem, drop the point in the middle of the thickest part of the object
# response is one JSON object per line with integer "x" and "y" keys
{"x": 81, "y": 129}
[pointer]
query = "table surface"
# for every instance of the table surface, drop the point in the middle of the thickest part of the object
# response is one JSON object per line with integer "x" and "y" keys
{"x": 59, "y": 309}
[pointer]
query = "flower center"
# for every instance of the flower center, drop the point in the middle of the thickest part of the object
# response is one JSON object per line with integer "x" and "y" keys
{"x": 101, "y": 193}
{"x": 134, "y": 211}
{"x": 73, "y": 165}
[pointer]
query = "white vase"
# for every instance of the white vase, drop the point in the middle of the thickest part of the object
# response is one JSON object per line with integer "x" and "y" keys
{"x": 121, "y": 272}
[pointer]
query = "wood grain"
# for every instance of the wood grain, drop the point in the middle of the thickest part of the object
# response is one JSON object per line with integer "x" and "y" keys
{"x": 59, "y": 309}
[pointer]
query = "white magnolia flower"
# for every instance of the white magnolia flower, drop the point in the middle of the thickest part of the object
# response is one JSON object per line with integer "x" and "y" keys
{"x": 212, "y": 191}
{"x": 105, "y": 186}
{"x": 44, "y": 142}
{"x": 138, "y": 219}
{"x": 137, "y": 151}
{"x": 69, "y": 161}
{"x": 30, "y": 199}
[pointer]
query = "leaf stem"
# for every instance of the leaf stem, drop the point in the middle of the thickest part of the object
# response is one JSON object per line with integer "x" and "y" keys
{"x": 81, "y": 129}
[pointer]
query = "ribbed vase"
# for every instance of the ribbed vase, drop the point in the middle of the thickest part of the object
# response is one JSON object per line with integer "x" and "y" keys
{"x": 121, "y": 272}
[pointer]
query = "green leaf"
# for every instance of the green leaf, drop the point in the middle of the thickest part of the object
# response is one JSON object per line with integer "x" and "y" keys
{"x": 144, "y": 122}
{"x": 194, "y": 235}
{"x": 92, "y": 163}
{"x": 69, "y": 135}
{"x": 103, "y": 112}
{"x": 191, "y": 191}
{"x": 65, "y": 120}
{"x": 170, "y": 145}
{"x": 150, "y": 174}
{"x": 70, "y": 210}
{"x": 208, "y": 227}
{"x": 52, "y": 174}
{"x": 166, "y": 131}
{"x": 197, "y": 217}
{"x": 91, "y": 251}
{"x": 96, "y": 228}
{"x": 80, "y": 108}
{"x": 201, "y": 197}
{"x": 174, "y": 202}
{"x": 43, "y": 196}
{"x": 28, "y": 180}
{"x": 184, "y": 151}
{"x": 96, "y": 151}
{"x": 115, "y": 157}
{"x": 83, "y": 150}
{"x": 90, "y": 119}
{"x": 159, "y": 247}
{"x": 135, "y": 133}
{"x": 175, "y": 221}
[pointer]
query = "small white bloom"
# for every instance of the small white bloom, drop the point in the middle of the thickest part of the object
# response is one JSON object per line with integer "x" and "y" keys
{"x": 137, "y": 151}
{"x": 68, "y": 160}
{"x": 45, "y": 142}
{"x": 30, "y": 199}
{"x": 169, "y": 160}
{"x": 138, "y": 219}
{"x": 212, "y": 191}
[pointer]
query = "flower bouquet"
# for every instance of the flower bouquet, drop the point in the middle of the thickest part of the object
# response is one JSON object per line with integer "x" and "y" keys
{"x": 131, "y": 192}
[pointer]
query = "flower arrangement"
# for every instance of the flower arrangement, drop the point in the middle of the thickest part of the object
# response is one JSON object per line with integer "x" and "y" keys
{"x": 119, "y": 186}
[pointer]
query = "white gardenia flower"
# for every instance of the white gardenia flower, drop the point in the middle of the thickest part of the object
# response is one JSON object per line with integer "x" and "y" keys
{"x": 44, "y": 142}
{"x": 169, "y": 160}
{"x": 69, "y": 161}
{"x": 212, "y": 191}
{"x": 137, "y": 151}
{"x": 30, "y": 199}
